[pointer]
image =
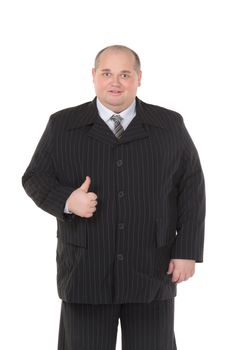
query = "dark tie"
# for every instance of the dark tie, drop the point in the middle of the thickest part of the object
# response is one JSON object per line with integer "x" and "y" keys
{"x": 118, "y": 128}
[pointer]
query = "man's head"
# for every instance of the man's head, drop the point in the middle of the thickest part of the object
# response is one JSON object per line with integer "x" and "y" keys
{"x": 116, "y": 76}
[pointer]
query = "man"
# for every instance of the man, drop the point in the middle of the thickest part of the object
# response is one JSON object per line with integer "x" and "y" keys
{"x": 124, "y": 181}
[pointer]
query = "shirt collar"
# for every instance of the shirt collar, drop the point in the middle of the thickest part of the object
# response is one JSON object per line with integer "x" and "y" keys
{"x": 86, "y": 114}
{"x": 106, "y": 113}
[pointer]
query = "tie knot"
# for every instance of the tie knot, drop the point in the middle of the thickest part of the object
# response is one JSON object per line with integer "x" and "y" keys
{"x": 116, "y": 118}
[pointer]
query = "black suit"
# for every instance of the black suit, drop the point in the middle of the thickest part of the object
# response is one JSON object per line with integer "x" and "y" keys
{"x": 151, "y": 202}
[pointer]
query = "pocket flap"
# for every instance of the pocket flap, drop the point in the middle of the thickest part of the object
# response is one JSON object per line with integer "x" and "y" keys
{"x": 162, "y": 256}
{"x": 74, "y": 232}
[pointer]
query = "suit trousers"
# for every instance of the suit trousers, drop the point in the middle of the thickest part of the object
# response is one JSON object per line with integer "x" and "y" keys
{"x": 144, "y": 326}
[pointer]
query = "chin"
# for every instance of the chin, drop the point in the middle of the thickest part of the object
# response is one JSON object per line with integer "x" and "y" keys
{"x": 114, "y": 102}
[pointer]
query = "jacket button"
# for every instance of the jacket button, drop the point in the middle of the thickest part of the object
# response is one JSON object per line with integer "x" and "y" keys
{"x": 121, "y": 226}
{"x": 120, "y": 257}
{"x": 121, "y": 194}
{"x": 119, "y": 162}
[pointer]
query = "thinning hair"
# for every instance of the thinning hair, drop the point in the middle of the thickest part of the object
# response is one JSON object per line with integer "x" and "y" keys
{"x": 119, "y": 48}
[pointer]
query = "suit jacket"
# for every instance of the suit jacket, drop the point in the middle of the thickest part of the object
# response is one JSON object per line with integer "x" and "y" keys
{"x": 151, "y": 202}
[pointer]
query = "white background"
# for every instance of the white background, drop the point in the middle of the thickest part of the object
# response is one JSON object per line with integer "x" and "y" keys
{"x": 47, "y": 52}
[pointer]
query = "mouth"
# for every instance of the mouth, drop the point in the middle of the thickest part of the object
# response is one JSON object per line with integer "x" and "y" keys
{"x": 115, "y": 92}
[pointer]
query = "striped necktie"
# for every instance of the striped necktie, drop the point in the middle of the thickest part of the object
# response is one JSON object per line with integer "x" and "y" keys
{"x": 118, "y": 128}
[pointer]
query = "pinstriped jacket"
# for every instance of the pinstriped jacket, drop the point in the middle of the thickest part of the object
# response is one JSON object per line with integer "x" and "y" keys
{"x": 151, "y": 202}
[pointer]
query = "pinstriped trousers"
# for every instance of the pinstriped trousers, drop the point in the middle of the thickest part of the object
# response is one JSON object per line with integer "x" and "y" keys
{"x": 144, "y": 326}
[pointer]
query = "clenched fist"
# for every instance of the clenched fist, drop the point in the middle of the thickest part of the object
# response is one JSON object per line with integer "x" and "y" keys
{"x": 181, "y": 269}
{"x": 81, "y": 202}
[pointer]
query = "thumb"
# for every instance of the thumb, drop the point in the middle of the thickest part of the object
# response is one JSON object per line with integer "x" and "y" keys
{"x": 85, "y": 186}
{"x": 170, "y": 268}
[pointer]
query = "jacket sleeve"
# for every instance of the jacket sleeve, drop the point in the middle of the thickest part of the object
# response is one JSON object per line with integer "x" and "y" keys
{"x": 40, "y": 181}
{"x": 191, "y": 203}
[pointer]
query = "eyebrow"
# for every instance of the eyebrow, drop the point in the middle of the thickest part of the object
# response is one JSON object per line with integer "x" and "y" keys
{"x": 109, "y": 70}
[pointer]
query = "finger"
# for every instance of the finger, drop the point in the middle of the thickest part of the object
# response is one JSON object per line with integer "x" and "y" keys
{"x": 180, "y": 279}
{"x": 91, "y": 210}
{"x": 170, "y": 268}
{"x": 183, "y": 277}
{"x": 92, "y": 207}
{"x": 175, "y": 276}
{"x": 92, "y": 195}
{"x": 93, "y": 204}
{"x": 88, "y": 215}
{"x": 190, "y": 274}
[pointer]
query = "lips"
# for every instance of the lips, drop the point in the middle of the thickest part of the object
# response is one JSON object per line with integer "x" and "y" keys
{"x": 115, "y": 91}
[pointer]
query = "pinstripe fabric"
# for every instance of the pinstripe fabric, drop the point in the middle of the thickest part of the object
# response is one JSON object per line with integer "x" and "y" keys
{"x": 94, "y": 327}
{"x": 151, "y": 202}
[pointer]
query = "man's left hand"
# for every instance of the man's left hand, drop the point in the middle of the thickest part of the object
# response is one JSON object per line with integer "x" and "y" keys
{"x": 181, "y": 269}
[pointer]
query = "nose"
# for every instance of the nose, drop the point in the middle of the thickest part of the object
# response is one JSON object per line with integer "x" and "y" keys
{"x": 115, "y": 80}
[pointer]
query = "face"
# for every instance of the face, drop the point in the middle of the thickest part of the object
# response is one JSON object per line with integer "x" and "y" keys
{"x": 116, "y": 80}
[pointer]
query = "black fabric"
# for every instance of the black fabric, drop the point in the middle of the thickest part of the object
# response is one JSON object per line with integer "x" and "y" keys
{"x": 94, "y": 327}
{"x": 151, "y": 202}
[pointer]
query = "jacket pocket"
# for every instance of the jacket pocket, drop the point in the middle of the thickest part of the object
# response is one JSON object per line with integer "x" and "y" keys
{"x": 162, "y": 258}
{"x": 73, "y": 233}
{"x": 68, "y": 257}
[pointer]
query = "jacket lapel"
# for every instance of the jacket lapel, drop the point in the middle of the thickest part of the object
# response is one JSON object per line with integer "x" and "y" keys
{"x": 103, "y": 133}
{"x": 100, "y": 131}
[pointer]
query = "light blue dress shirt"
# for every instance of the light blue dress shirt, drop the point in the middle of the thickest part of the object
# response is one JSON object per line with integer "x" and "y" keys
{"x": 128, "y": 114}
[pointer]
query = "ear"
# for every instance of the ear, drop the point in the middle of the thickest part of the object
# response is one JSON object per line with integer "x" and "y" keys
{"x": 139, "y": 78}
{"x": 93, "y": 73}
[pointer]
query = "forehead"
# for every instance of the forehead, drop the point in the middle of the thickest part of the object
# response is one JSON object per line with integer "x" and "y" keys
{"x": 114, "y": 58}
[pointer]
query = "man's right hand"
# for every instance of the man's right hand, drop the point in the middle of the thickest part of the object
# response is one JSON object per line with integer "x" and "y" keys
{"x": 81, "y": 202}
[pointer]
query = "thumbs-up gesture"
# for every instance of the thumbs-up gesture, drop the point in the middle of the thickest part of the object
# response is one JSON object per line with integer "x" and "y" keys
{"x": 81, "y": 202}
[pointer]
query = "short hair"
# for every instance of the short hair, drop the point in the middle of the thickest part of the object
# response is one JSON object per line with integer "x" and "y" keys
{"x": 119, "y": 48}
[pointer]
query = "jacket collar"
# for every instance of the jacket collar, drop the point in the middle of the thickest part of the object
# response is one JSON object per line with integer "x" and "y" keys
{"x": 145, "y": 114}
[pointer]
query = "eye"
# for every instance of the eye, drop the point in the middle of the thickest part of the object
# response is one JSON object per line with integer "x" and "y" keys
{"x": 106, "y": 74}
{"x": 125, "y": 76}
